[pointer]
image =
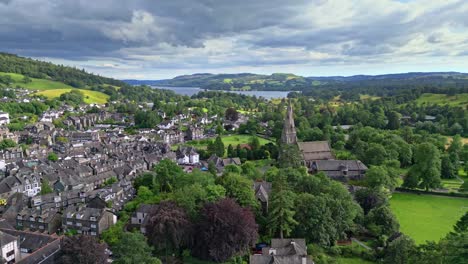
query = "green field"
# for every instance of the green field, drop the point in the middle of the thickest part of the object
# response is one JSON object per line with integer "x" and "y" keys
{"x": 442, "y": 99}
{"x": 427, "y": 217}
{"x": 90, "y": 96}
{"x": 364, "y": 97}
{"x": 234, "y": 140}
{"x": 52, "y": 89}
{"x": 35, "y": 84}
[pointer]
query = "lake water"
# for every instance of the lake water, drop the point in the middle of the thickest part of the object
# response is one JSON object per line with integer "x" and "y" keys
{"x": 194, "y": 90}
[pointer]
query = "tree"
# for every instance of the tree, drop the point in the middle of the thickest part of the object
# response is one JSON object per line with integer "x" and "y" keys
{"x": 454, "y": 248}
{"x": 254, "y": 143}
{"x": 231, "y": 114}
{"x": 381, "y": 221}
{"x": 166, "y": 173}
{"x": 168, "y": 227}
{"x": 326, "y": 210}
{"x": 238, "y": 188}
{"x": 375, "y": 154}
{"x": 249, "y": 169}
{"x": 462, "y": 224}
{"x": 7, "y": 143}
{"x": 83, "y": 249}
{"x": 400, "y": 250}
{"x": 377, "y": 176}
{"x": 45, "y": 187}
{"x": 457, "y": 145}
{"x": 132, "y": 248}
{"x": 212, "y": 168}
{"x": 425, "y": 172}
{"x": 281, "y": 215}
{"x": 219, "y": 146}
{"x": 230, "y": 151}
{"x": 224, "y": 230}
{"x": 52, "y": 157}
{"x": 26, "y": 79}
{"x": 393, "y": 120}
{"x": 289, "y": 156}
{"x": 369, "y": 199}
{"x": 447, "y": 169}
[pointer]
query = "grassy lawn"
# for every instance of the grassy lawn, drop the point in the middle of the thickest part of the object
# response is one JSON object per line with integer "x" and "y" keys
{"x": 427, "y": 217}
{"x": 234, "y": 140}
{"x": 364, "y": 97}
{"x": 441, "y": 99}
{"x": 35, "y": 84}
{"x": 90, "y": 96}
{"x": 451, "y": 184}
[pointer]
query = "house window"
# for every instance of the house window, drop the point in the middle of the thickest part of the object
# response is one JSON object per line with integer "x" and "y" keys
{"x": 41, "y": 227}
{"x": 93, "y": 226}
{"x": 69, "y": 223}
{"x": 79, "y": 231}
{"x": 8, "y": 254}
{"x": 20, "y": 223}
{"x": 78, "y": 224}
{"x": 92, "y": 218}
{"x": 93, "y": 233}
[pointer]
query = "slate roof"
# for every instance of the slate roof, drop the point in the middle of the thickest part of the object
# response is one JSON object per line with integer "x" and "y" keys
{"x": 6, "y": 238}
{"x": 315, "y": 150}
{"x": 338, "y": 165}
{"x": 262, "y": 190}
{"x": 287, "y": 251}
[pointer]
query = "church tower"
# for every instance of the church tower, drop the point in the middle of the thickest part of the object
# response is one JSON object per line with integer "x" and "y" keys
{"x": 289, "y": 130}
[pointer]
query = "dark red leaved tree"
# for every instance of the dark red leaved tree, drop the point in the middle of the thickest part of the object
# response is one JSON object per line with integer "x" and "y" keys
{"x": 169, "y": 227}
{"x": 224, "y": 230}
{"x": 83, "y": 249}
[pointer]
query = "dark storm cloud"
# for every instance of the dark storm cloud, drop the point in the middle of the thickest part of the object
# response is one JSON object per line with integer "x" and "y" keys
{"x": 224, "y": 33}
{"x": 88, "y": 28}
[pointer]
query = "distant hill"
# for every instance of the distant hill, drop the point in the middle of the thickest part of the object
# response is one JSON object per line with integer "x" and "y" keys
{"x": 286, "y": 82}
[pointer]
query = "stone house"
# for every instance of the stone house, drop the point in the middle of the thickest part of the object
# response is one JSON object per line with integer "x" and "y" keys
{"x": 87, "y": 221}
{"x": 262, "y": 191}
{"x": 9, "y": 248}
{"x": 194, "y": 133}
{"x": 283, "y": 251}
{"x": 342, "y": 170}
{"x": 140, "y": 217}
{"x": 187, "y": 155}
{"x": 47, "y": 221}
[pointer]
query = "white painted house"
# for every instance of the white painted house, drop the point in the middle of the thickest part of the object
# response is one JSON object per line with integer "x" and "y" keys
{"x": 4, "y": 118}
{"x": 187, "y": 155}
{"x": 9, "y": 248}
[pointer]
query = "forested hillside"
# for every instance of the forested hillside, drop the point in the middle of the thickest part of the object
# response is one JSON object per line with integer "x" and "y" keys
{"x": 325, "y": 87}
{"x": 16, "y": 71}
{"x": 46, "y": 70}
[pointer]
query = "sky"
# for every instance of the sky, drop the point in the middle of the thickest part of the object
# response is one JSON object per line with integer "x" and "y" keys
{"x": 157, "y": 39}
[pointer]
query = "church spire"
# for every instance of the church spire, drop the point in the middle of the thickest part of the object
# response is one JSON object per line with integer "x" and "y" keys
{"x": 289, "y": 129}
